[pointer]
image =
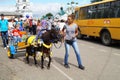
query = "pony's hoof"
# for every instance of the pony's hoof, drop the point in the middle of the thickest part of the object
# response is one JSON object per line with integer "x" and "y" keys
{"x": 35, "y": 63}
{"x": 48, "y": 67}
{"x": 27, "y": 62}
{"x": 42, "y": 67}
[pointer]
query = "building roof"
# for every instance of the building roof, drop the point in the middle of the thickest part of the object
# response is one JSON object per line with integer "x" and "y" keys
{"x": 11, "y": 13}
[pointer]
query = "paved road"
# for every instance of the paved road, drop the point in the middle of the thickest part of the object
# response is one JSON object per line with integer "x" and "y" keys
{"x": 101, "y": 63}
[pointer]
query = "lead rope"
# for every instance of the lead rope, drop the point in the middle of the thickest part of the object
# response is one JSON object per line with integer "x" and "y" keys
{"x": 59, "y": 45}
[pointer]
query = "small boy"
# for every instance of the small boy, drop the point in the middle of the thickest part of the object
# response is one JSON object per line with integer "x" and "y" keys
{"x": 16, "y": 34}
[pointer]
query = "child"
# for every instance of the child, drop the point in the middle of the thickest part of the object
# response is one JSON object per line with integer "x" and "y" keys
{"x": 16, "y": 34}
{"x": 42, "y": 28}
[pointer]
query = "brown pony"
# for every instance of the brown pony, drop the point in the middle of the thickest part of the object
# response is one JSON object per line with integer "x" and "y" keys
{"x": 49, "y": 37}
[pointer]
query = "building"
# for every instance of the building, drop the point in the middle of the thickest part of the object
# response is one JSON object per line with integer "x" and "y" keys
{"x": 9, "y": 15}
{"x": 23, "y": 7}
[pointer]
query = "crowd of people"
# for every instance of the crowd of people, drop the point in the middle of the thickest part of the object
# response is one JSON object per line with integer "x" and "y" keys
{"x": 13, "y": 27}
{"x": 32, "y": 26}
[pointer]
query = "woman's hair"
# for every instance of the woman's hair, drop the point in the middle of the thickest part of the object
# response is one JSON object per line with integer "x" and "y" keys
{"x": 38, "y": 22}
{"x": 72, "y": 16}
{"x": 15, "y": 26}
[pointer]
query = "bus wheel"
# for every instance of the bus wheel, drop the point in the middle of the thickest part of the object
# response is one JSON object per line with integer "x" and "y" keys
{"x": 106, "y": 38}
{"x": 79, "y": 36}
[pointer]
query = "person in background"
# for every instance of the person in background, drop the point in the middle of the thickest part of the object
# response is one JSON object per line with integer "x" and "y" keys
{"x": 26, "y": 25}
{"x": 21, "y": 25}
{"x": 70, "y": 31}
{"x": 4, "y": 30}
{"x": 30, "y": 26}
{"x": 11, "y": 27}
{"x": 38, "y": 26}
{"x": 34, "y": 26}
{"x": 11, "y": 23}
{"x": 49, "y": 23}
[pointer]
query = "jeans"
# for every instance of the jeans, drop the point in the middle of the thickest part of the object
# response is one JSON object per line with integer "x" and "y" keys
{"x": 4, "y": 35}
{"x": 17, "y": 39}
{"x": 76, "y": 49}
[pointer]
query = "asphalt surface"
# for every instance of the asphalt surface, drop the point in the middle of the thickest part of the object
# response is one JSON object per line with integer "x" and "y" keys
{"x": 101, "y": 63}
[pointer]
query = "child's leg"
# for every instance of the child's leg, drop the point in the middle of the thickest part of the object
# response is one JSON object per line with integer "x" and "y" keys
{"x": 19, "y": 39}
{"x": 15, "y": 39}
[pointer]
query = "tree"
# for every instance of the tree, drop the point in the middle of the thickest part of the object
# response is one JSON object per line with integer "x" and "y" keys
{"x": 43, "y": 17}
{"x": 92, "y": 1}
{"x": 49, "y": 14}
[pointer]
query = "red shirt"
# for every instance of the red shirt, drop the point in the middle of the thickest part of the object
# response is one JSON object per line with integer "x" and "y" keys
{"x": 30, "y": 22}
{"x": 16, "y": 32}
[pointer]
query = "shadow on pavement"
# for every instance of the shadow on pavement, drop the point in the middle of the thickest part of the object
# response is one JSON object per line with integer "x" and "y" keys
{"x": 115, "y": 44}
{"x": 61, "y": 60}
{"x": 20, "y": 54}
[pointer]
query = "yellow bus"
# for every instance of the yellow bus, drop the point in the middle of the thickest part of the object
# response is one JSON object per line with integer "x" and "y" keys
{"x": 99, "y": 19}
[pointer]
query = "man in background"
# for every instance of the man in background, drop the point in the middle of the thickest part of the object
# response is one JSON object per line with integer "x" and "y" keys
{"x": 4, "y": 30}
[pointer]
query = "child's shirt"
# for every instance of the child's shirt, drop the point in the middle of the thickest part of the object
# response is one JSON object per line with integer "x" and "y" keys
{"x": 16, "y": 32}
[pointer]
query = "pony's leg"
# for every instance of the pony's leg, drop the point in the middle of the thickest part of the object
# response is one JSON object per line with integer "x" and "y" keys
{"x": 27, "y": 57}
{"x": 48, "y": 67}
{"x": 42, "y": 62}
{"x": 35, "y": 61}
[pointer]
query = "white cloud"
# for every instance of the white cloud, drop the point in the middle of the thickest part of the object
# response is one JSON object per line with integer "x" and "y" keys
{"x": 42, "y": 9}
{"x": 38, "y": 9}
{"x": 7, "y": 8}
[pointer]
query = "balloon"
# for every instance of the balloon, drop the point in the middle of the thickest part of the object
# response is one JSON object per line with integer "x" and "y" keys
{"x": 27, "y": 16}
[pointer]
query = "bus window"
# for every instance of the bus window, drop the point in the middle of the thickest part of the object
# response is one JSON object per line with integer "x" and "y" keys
{"x": 99, "y": 11}
{"x": 89, "y": 12}
{"x": 118, "y": 14}
{"x": 94, "y": 11}
{"x": 76, "y": 15}
{"x": 118, "y": 8}
{"x": 83, "y": 13}
{"x": 112, "y": 11}
{"x": 106, "y": 10}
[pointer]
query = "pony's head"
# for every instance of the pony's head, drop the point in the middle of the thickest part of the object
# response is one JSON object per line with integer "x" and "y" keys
{"x": 52, "y": 36}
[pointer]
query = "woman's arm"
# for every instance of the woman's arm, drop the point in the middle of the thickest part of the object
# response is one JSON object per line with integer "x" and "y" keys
{"x": 63, "y": 34}
{"x": 76, "y": 31}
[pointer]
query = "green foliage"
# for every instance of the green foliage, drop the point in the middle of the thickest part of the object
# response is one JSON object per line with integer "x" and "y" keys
{"x": 49, "y": 14}
{"x": 43, "y": 17}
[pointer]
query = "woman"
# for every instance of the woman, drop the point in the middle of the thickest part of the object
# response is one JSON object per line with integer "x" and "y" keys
{"x": 70, "y": 31}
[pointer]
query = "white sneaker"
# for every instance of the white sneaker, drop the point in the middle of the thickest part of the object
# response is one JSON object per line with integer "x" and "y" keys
{"x": 4, "y": 47}
{"x": 7, "y": 45}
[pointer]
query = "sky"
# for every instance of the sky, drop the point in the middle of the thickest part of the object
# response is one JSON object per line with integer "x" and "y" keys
{"x": 41, "y": 7}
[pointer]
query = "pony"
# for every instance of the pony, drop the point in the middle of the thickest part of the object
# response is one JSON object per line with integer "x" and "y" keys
{"x": 47, "y": 39}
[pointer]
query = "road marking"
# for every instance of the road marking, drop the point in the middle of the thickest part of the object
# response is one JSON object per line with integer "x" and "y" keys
{"x": 103, "y": 50}
{"x": 82, "y": 44}
{"x": 62, "y": 72}
{"x": 118, "y": 54}
{"x": 91, "y": 47}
